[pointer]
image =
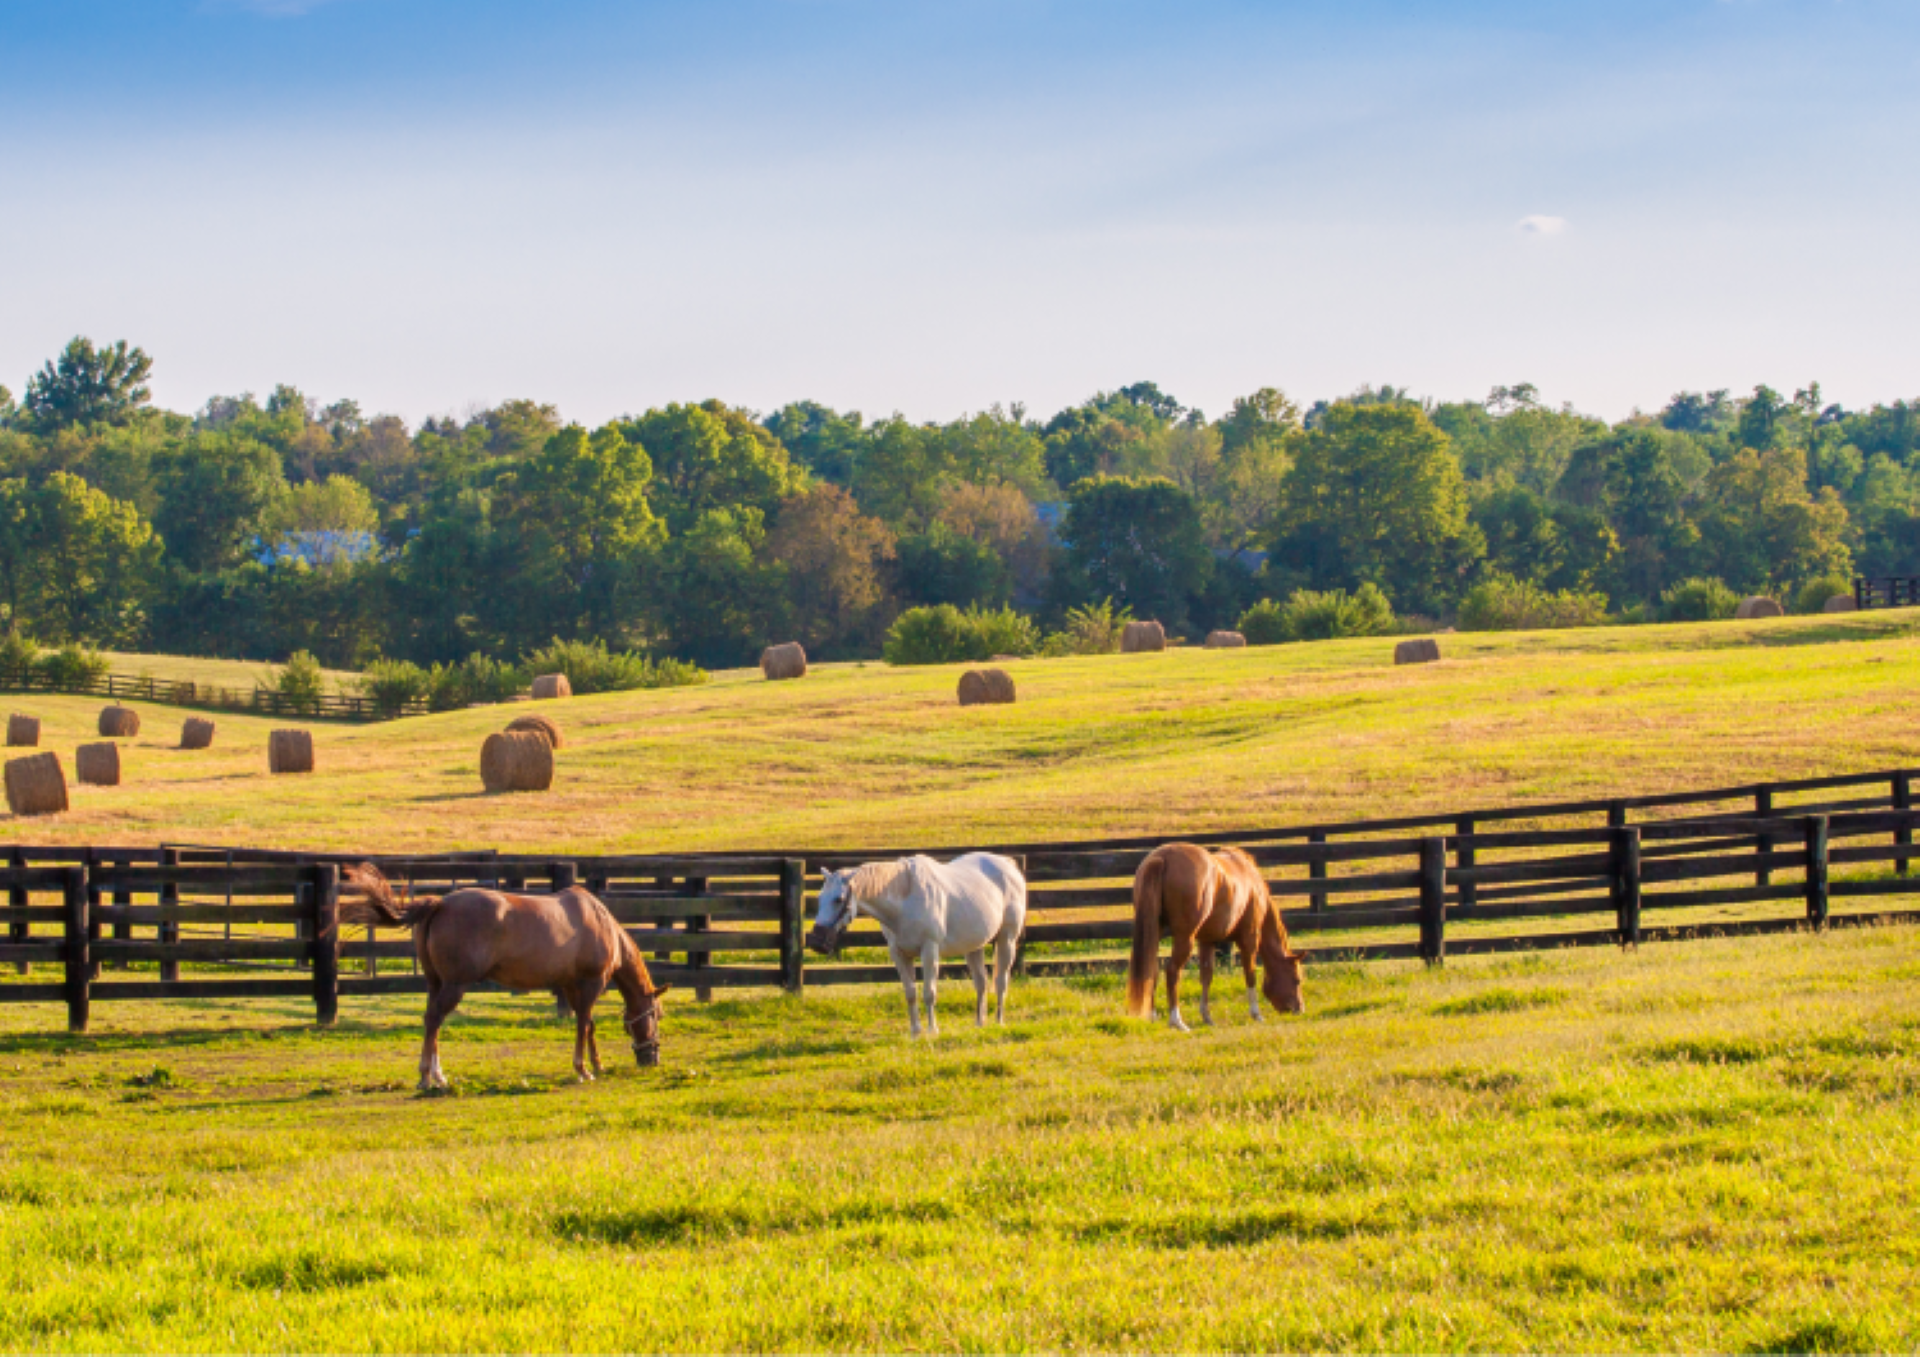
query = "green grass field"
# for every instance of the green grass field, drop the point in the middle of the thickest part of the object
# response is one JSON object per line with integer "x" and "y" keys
{"x": 1702, "y": 1146}
{"x": 1698, "y": 1146}
{"x": 863, "y": 755}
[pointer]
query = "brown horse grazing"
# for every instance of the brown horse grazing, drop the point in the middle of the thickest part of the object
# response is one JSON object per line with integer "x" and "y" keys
{"x": 1206, "y": 898}
{"x": 567, "y": 943}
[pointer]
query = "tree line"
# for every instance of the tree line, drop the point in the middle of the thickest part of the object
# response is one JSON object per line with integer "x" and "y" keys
{"x": 703, "y": 531}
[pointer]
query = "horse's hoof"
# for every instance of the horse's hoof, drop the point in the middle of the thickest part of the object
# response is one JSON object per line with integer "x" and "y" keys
{"x": 1178, "y": 1025}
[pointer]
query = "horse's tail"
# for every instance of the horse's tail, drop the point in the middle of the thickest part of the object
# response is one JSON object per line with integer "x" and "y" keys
{"x": 1143, "y": 968}
{"x": 366, "y": 897}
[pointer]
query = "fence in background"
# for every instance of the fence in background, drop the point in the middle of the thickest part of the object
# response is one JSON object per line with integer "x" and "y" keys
{"x": 1368, "y": 890}
{"x": 1892, "y": 591}
{"x": 207, "y": 696}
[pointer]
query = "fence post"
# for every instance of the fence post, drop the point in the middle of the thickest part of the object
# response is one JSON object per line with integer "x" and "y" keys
{"x": 1624, "y": 868}
{"x": 564, "y": 876}
{"x": 1763, "y": 809}
{"x": 1463, "y": 858}
{"x": 1902, "y": 800}
{"x": 169, "y": 930}
{"x": 323, "y": 892}
{"x": 699, "y": 923}
{"x": 1860, "y": 594}
{"x": 18, "y": 929}
{"x": 1433, "y": 901}
{"x": 1616, "y": 814}
{"x": 122, "y": 898}
{"x": 1317, "y": 871}
{"x": 79, "y": 959}
{"x": 793, "y": 923}
{"x": 1817, "y": 894}
{"x": 90, "y": 859}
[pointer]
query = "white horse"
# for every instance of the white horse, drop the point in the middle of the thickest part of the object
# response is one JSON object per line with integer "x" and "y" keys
{"x": 928, "y": 910}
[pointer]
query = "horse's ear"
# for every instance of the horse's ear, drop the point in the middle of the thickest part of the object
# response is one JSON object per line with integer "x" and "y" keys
{"x": 663, "y": 989}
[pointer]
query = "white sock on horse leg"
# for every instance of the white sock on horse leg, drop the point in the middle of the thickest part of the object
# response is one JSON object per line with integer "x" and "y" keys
{"x": 1253, "y": 1003}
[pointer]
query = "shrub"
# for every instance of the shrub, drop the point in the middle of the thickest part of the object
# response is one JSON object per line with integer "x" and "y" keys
{"x": 1093, "y": 630}
{"x": 71, "y": 664}
{"x": 943, "y": 634}
{"x": 301, "y": 681}
{"x": 392, "y": 684}
{"x": 1698, "y": 600}
{"x": 1499, "y": 602}
{"x": 476, "y": 679}
{"x": 591, "y": 668}
{"x": 17, "y": 653}
{"x": 1813, "y": 595}
{"x": 1310, "y": 615}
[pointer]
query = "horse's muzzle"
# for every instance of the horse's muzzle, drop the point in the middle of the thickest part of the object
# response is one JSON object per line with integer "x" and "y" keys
{"x": 648, "y": 1055}
{"x": 825, "y": 941}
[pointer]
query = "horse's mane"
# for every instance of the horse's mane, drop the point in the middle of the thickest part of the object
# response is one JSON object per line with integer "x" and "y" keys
{"x": 366, "y": 897}
{"x": 876, "y": 880}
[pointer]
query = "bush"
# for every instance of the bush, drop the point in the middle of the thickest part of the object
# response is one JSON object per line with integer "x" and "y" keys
{"x": 17, "y": 654}
{"x": 943, "y": 634}
{"x": 476, "y": 679}
{"x": 1698, "y": 600}
{"x": 1093, "y": 630}
{"x": 1499, "y": 602}
{"x": 393, "y": 684}
{"x": 1814, "y": 594}
{"x": 71, "y": 665}
{"x": 591, "y": 668}
{"x": 301, "y": 682}
{"x": 1310, "y": 615}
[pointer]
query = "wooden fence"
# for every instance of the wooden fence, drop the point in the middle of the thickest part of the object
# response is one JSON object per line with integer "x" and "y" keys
{"x": 208, "y": 696}
{"x": 1753, "y": 859}
{"x": 1892, "y": 591}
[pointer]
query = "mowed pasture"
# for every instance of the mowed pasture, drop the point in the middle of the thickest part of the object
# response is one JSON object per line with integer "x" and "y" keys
{"x": 867, "y": 755}
{"x": 1704, "y": 1145}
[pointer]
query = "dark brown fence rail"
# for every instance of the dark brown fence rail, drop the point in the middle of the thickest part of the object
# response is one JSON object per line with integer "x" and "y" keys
{"x": 1889, "y": 591}
{"x": 1750, "y": 859}
{"x": 207, "y": 696}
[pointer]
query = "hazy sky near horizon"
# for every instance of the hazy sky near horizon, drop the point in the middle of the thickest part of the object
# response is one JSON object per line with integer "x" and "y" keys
{"x": 933, "y": 205}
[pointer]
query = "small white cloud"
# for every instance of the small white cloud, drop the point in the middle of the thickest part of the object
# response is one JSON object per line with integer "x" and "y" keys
{"x": 1538, "y": 225}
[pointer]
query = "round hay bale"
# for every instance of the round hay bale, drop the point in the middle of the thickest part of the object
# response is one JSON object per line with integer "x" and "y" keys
{"x": 197, "y": 733}
{"x": 98, "y": 765}
{"x": 1140, "y": 637}
{"x": 1840, "y": 603}
{"x": 787, "y": 661}
{"x": 985, "y": 687}
{"x": 1757, "y": 606}
{"x": 35, "y": 785}
{"x": 1225, "y": 640}
{"x": 516, "y": 761}
{"x": 290, "y": 751}
{"x": 119, "y": 723}
{"x": 23, "y": 731}
{"x": 1424, "y": 651}
{"x": 539, "y": 725}
{"x": 549, "y": 686}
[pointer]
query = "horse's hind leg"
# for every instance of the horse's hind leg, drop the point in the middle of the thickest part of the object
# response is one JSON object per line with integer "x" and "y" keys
{"x": 977, "y": 963}
{"x": 440, "y": 1005}
{"x": 1249, "y": 942}
{"x": 1182, "y": 949}
{"x": 1004, "y": 952}
{"x": 1206, "y": 983}
{"x": 930, "y": 984}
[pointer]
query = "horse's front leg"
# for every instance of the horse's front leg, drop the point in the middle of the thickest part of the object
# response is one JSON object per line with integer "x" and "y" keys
{"x": 1249, "y": 941}
{"x": 903, "y": 963}
{"x": 1004, "y": 953}
{"x": 977, "y": 963}
{"x": 440, "y": 1004}
{"x": 1177, "y": 962}
{"x": 930, "y": 984}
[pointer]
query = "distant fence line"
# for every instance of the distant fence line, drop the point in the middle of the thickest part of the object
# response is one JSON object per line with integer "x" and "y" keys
{"x": 1887, "y": 591}
{"x": 1363, "y": 890}
{"x": 209, "y": 696}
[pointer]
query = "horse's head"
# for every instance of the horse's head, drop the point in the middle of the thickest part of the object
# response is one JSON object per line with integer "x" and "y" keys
{"x": 1283, "y": 980}
{"x": 643, "y": 1026}
{"x": 835, "y": 911}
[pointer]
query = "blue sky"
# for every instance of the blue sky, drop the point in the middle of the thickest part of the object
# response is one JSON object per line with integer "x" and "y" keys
{"x": 930, "y": 207}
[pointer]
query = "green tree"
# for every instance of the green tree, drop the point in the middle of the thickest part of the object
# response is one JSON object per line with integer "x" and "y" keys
{"x": 711, "y": 456}
{"x": 717, "y": 595}
{"x": 1138, "y": 542}
{"x": 834, "y": 558}
{"x": 91, "y": 562}
{"x": 1759, "y": 527}
{"x": 1375, "y": 496}
{"x": 86, "y": 385}
{"x": 216, "y": 494}
{"x": 1631, "y": 479}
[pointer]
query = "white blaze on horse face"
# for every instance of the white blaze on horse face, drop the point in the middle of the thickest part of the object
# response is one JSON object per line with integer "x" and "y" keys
{"x": 836, "y": 904}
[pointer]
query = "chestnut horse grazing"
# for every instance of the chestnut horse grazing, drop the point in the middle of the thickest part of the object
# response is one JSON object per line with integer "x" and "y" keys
{"x": 567, "y": 943}
{"x": 1206, "y": 898}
